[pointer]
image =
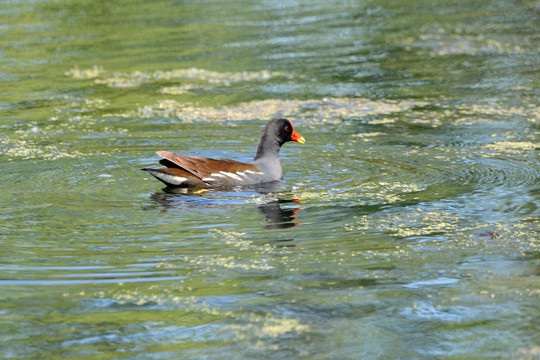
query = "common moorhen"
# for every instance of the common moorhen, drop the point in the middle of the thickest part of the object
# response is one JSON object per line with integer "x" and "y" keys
{"x": 196, "y": 171}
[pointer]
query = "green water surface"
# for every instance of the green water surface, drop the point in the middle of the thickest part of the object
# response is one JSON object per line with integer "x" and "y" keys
{"x": 407, "y": 226}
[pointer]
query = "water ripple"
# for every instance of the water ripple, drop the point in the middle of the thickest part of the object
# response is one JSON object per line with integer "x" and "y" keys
{"x": 506, "y": 172}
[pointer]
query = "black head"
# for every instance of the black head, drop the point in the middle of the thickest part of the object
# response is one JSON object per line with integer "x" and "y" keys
{"x": 276, "y": 133}
{"x": 283, "y": 131}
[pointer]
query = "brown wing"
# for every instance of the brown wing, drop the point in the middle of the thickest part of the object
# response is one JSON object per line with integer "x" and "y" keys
{"x": 203, "y": 168}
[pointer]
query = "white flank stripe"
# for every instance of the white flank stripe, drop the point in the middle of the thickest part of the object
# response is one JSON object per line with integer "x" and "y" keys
{"x": 234, "y": 176}
{"x": 246, "y": 173}
{"x": 239, "y": 176}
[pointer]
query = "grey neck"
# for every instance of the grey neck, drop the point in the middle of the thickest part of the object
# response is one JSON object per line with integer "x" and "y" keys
{"x": 267, "y": 157}
{"x": 268, "y": 148}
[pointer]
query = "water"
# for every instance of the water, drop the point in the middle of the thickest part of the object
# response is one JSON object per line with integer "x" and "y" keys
{"x": 406, "y": 226}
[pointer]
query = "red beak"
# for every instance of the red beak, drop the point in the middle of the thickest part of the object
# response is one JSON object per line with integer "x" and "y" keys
{"x": 297, "y": 137}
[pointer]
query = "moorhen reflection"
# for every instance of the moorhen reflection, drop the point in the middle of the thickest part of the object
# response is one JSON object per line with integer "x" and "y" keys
{"x": 278, "y": 218}
{"x": 275, "y": 216}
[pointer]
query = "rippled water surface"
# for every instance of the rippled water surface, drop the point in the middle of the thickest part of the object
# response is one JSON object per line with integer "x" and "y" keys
{"x": 406, "y": 227}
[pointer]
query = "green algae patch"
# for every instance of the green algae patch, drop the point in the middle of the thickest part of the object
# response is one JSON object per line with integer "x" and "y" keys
{"x": 321, "y": 111}
{"x": 193, "y": 75}
{"x": 511, "y": 147}
{"x": 26, "y": 149}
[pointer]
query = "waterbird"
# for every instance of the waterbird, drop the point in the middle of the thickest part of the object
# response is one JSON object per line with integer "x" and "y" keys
{"x": 196, "y": 171}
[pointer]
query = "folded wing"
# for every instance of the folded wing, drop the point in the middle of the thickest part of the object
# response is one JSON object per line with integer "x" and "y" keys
{"x": 184, "y": 170}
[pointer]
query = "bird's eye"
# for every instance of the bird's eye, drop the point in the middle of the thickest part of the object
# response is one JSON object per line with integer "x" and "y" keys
{"x": 287, "y": 128}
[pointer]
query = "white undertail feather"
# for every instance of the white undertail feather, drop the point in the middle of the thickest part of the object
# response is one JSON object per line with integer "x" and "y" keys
{"x": 169, "y": 179}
